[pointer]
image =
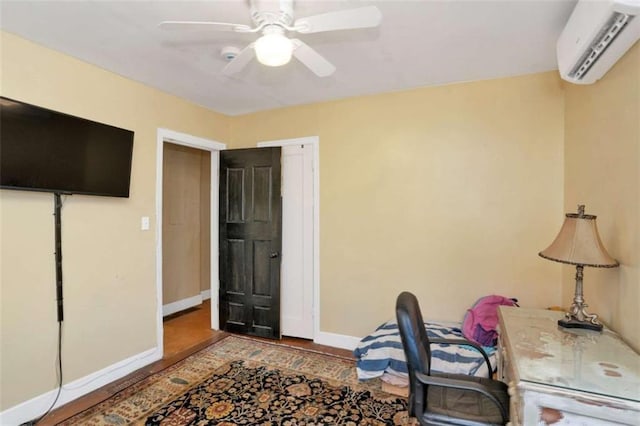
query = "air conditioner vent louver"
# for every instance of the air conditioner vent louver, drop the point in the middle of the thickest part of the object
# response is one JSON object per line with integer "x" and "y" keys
{"x": 598, "y": 47}
{"x": 596, "y": 35}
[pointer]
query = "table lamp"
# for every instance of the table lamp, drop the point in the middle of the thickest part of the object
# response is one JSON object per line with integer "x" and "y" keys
{"x": 578, "y": 243}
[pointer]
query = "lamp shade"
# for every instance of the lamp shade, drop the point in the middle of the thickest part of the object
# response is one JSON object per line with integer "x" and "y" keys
{"x": 578, "y": 243}
{"x": 273, "y": 49}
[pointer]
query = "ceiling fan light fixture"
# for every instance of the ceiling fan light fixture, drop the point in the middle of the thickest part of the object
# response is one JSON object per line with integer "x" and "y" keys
{"x": 273, "y": 49}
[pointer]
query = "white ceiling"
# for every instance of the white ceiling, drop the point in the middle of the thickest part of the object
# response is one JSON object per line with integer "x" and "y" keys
{"x": 420, "y": 43}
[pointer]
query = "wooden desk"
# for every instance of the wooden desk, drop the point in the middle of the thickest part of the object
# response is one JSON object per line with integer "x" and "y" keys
{"x": 566, "y": 376}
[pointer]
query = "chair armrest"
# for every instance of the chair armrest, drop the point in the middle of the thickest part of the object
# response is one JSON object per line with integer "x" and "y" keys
{"x": 468, "y": 343}
{"x": 448, "y": 382}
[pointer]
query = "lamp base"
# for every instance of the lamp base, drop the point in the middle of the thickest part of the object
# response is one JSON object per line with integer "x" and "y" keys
{"x": 569, "y": 322}
{"x": 578, "y": 317}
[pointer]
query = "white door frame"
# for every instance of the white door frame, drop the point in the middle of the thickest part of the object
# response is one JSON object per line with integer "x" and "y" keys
{"x": 314, "y": 141}
{"x": 170, "y": 136}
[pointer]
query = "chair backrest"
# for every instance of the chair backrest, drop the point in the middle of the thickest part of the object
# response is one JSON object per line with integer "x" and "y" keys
{"x": 415, "y": 344}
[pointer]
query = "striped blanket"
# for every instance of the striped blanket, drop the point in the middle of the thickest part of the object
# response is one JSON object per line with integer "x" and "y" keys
{"x": 381, "y": 355}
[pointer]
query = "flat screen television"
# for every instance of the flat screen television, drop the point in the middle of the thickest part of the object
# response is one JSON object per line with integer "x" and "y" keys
{"x": 44, "y": 150}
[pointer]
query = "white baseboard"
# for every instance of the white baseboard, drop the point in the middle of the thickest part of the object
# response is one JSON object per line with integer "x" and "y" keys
{"x": 337, "y": 340}
{"x": 206, "y": 294}
{"x": 35, "y": 407}
{"x": 181, "y": 305}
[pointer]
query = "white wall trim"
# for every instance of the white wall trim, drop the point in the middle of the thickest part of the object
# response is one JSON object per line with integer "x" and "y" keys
{"x": 214, "y": 237}
{"x": 166, "y": 135}
{"x": 205, "y": 294}
{"x": 185, "y": 139}
{"x": 314, "y": 141}
{"x": 337, "y": 340}
{"x": 316, "y": 236}
{"x": 35, "y": 407}
{"x": 286, "y": 142}
{"x": 181, "y": 305}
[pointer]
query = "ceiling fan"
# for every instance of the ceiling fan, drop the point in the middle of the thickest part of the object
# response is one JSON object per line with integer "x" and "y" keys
{"x": 274, "y": 48}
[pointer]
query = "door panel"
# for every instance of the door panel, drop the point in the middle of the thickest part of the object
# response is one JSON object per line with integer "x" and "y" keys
{"x": 250, "y": 241}
{"x": 262, "y": 194}
{"x": 297, "y": 241}
{"x": 235, "y": 198}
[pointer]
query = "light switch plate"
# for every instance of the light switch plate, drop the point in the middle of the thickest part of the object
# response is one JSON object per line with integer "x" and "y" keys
{"x": 144, "y": 223}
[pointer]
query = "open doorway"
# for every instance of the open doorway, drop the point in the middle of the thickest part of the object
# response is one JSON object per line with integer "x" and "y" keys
{"x": 187, "y": 229}
{"x": 168, "y": 136}
{"x": 186, "y": 247}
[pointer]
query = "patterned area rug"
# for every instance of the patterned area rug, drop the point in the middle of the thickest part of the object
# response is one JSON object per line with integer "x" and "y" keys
{"x": 240, "y": 381}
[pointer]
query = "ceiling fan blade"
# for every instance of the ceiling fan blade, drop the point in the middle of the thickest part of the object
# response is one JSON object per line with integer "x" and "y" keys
{"x": 363, "y": 17}
{"x": 204, "y": 25}
{"x": 240, "y": 61}
{"x": 312, "y": 59}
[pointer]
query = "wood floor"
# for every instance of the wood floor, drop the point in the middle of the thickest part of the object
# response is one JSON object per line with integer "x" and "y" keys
{"x": 184, "y": 334}
{"x": 187, "y": 328}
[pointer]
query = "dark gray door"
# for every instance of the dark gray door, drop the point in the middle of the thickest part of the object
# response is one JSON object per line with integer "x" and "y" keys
{"x": 250, "y": 241}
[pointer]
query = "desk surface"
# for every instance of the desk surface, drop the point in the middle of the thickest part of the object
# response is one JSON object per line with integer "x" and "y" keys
{"x": 584, "y": 360}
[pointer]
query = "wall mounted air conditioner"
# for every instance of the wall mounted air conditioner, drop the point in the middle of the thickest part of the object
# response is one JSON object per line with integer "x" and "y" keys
{"x": 597, "y": 34}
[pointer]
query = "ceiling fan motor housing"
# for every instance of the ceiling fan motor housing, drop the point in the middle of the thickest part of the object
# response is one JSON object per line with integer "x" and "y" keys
{"x": 270, "y": 12}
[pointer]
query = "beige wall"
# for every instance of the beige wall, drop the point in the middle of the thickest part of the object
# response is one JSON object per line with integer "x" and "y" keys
{"x": 109, "y": 263}
{"x": 602, "y": 170}
{"x": 448, "y": 192}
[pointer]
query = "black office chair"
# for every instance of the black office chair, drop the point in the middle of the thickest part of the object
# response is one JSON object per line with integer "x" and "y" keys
{"x": 445, "y": 399}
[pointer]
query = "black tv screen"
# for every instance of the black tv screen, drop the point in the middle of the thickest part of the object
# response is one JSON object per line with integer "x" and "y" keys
{"x": 44, "y": 150}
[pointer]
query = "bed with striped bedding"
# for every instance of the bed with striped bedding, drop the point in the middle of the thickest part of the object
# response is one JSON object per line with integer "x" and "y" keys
{"x": 380, "y": 354}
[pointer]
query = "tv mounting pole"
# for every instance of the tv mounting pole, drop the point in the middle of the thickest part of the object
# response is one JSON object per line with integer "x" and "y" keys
{"x": 57, "y": 209}
{"x": 58, "y": 242}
